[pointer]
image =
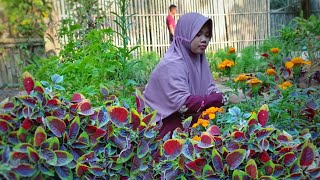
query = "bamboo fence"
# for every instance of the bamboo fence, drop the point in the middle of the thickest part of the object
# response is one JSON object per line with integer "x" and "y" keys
{"x": 237, "y": 23}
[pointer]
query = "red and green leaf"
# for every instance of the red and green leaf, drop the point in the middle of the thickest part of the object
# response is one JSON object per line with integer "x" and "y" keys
{"x": 288, "y": 158}
{"x": 264, "y": 132}
{"x": 263, "y": 115}
{"x": 278, "y": 170}
{"x": 57, "y": 126}
{"x": 282, "y": 138}
{"x": 97, "y": 171}
{"x": 49, "y": 156}
{"x": 74, "y": 128}
{"x": 28, "y": 82}
{"x": 139, "y": 102}
{"x": 51, "y": 143}
{"x": 28, "y": 101}
{"x": 103, "y": 117}
{"x": 85, "y": 109}
{"x": 81, "y": 169}
{"x": 207, "y": 171}
{"x": 251, "y": 169}
{"x": 206, "y": 140}
{"x": 27, "y": 124}
{"x": 148, "y": 118}
{"x": 307, "y": 154}
{"x": 63, "y": 158}
{"x": 214, "y": 130}
{"x": 188, "y": 150}
{"x": 4, "y": 126}
{"x": 197, "y": 165}
{"x": 33, "y": 155}
{"x": 238, "y": 135}
{"x": 77, "y": 98}
{"x": 268, "y": 168}
{"x": 118, "y": 115}
{"x": 135, "y": 119}
{"x": 143, "y": 149}
{"x": 240, "y": 175}
{"x": 235, "y": 158}
{"x": 173, "y": 147}
{"x": 314, "y": 173}
{"x": 64, "y": 172}
{"x": 88, "y": 157}
{"x": 24, "y": 170}
{"x": 264, "y": 144}
{"x": 125, "y": 156}
{"x": 264, "y": 157}
{"x": 217, "y": 161}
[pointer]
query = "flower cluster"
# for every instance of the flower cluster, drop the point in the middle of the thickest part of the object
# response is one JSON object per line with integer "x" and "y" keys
{"x": 285, "y": 85}
{"x": 275, "y": 50}
{"x": 231, "y": 50}
{"x": 254, "y": 81}
{"x": 242, "y": 78}
{"x": 226, "y": 64}
{"x": 209, "y": 113}
{"x": 296, "y": 61}
{"x": 271, "y": 72}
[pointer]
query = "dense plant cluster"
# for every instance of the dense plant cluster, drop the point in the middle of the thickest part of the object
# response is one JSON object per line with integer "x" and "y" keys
{"x": 44, "y": 135}
{"x": 25, "y": 18}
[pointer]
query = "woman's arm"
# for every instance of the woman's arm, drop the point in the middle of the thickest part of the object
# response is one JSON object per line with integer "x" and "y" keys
{"x": 196, "y": 103}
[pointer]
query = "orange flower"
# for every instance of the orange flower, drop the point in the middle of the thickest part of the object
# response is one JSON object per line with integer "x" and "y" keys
{"x": 211, "y": 112}
{"x": 226, "y": 64}
{"x": 254, "y": 81}
{"x": 296, "y": 61}
{"x": 196, "y": 138}
{"x": 285, "y": 85}
{"x": 231, "y": 50}
{"x": 202, "y": 122}
{"x": 271, "y": 72}
{"x": 275, "y": 50}
{"x": 241, "y": 77}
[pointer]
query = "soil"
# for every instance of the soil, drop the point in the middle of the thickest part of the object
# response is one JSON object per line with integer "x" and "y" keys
{"x": 8, "y": 92}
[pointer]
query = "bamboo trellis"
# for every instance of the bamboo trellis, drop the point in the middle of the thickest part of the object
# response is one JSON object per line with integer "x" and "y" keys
{"x": 237, "y": 23}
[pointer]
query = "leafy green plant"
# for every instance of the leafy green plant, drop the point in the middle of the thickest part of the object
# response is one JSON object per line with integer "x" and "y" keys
{"x": 302, "y": 35}
{"x": 44, "y": 135}
{"x": 27, "y": 18}
{"x": 248, "y": 151}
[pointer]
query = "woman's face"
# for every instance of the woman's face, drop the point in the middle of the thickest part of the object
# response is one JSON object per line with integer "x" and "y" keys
{"x": 201, "y": 40}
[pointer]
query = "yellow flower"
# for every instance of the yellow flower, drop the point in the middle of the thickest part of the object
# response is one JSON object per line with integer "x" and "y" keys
{"x": 211, "y": 112}
{"x": 254, "y": 81}
{"x": 296, "y": 61}
{"x": 271, "y": 72}
{"x": 196, "y": 138}
{"x": 275, "y": 50}
{"x": 241, "y": 77}
{"x": 226, "y": 63}
{"x": 285, "y": 85}
{"x": 231, "y": 50}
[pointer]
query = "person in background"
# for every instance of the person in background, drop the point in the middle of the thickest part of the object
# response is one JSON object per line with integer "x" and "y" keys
{"x": 182, "y": 85}
{"x": 171, "y": 24}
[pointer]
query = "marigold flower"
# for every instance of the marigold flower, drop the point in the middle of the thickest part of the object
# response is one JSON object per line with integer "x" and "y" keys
{"x": 231, "y": 50}
{"x": 241, "y": 77}
{"x": 202, "y": 122}
{"x": 296, "y": 61}
{"x": 226, "y": 64}
{"x": 275, "y": 50}
{"x": 285, "y": 85}
{"x": 196, "y": 138}
{"x": 271, "y": 72}
{"x": 254, "y": 81}
{"x": 211, "y": 112}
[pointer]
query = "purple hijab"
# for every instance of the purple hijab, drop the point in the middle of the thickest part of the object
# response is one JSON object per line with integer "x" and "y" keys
{"x": 180, "y": 73}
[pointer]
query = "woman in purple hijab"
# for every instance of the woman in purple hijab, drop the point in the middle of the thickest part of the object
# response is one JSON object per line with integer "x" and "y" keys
{"x": 182, "y": 85}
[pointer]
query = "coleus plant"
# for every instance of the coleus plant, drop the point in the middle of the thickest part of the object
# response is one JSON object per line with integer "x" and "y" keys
{"x": 44, "y": 135}
{"x": 253, "y": 150}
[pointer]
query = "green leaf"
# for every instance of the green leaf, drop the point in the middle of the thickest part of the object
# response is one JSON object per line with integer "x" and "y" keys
{"x": 24, "y": 170}
{"x": 33, "y": 155}
{"x": 217, "y": 161}
{"x": 307, "y": 154}
{"x": 239, "y": 175}
{"x": 207, "y": 171}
